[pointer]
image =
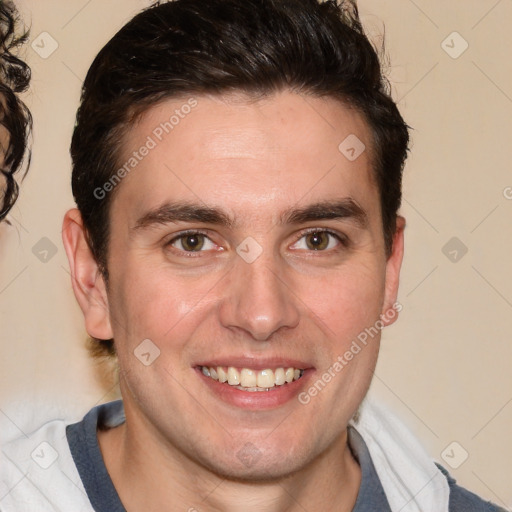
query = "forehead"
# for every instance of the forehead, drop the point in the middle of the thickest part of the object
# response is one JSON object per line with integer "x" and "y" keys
{"x": 247, "y": 155}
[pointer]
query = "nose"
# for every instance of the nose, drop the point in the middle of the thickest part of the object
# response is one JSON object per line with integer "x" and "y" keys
{"x": 258, "y": 300}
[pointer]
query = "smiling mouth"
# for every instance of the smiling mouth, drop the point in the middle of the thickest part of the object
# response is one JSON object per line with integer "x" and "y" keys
{"x": 246, "y": 379}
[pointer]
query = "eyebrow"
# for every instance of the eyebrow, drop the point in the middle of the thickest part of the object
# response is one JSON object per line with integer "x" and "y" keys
{"x": 174, "y": 212}
{"x": 183, "y": 212}
{"x": 345, "y": 208}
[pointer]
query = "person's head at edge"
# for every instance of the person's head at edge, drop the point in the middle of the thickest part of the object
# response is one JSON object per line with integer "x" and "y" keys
{"x": 268, "y": 130}
{"x": 15, "y": 119}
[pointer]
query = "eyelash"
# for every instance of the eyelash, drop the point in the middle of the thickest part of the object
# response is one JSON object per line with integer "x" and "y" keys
{"x": 183, "y": 234}
{"x": 343, "y": 240}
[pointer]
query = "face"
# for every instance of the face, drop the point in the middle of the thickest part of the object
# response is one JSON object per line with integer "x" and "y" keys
{"x": 246, "y": 240}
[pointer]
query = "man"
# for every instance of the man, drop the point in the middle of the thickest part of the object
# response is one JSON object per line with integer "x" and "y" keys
{"x": 15, "y": 119}
{"x": 237, "y": 171}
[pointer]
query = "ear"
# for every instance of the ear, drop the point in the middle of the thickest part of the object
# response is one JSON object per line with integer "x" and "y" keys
{"x": 390, "y": 307}
{"x": 88, "y": 282}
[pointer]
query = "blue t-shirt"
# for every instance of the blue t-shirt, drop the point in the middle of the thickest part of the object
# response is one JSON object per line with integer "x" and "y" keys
{"x": 83, "y": 443}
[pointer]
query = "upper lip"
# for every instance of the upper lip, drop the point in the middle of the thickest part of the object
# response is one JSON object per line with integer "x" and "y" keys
{"x": 256, "y": 363}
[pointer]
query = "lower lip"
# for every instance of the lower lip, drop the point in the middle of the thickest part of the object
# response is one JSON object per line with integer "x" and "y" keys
{"x": 256, "y": 400}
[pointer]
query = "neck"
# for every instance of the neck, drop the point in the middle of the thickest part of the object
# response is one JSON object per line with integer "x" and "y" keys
{"x": 152, "y": 477}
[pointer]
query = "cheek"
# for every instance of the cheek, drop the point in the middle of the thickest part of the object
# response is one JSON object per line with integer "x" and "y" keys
{"x": 347, "y": 301}
{"x": 154, "y": 303}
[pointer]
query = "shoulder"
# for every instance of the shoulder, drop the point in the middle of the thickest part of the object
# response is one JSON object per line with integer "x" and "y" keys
{"x": 462, "y": 500}
{"x": 37, "y": 473}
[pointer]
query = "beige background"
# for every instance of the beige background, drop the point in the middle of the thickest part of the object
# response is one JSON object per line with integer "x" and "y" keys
{"x": 445, "y": 366}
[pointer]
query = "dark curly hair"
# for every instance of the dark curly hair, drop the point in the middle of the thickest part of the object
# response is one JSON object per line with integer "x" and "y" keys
{"x": 257, "y": 47}
{"x": 15, "y": 118}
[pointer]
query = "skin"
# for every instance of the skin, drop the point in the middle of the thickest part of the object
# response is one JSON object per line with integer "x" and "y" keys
{"x": 253, "y": 160}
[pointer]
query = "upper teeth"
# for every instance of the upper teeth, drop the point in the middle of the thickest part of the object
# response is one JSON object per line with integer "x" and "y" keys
{"x": 247, "y": 378}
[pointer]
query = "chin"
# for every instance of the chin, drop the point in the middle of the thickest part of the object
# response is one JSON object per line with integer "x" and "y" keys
{"x": 259, "y": 473}
{"x": 249, "y": 464}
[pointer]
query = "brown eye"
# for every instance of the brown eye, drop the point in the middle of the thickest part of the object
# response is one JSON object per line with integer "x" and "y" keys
{"x": 320, "y": 241}
{"x": 193, "y": 242}
{"x": 317, "y": 241}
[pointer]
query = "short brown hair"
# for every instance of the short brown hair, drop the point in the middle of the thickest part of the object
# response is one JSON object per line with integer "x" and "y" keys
{"x": 256, "y": 47}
